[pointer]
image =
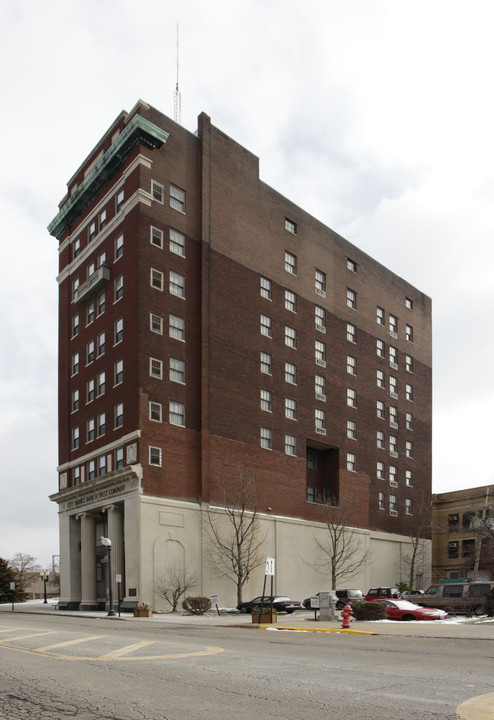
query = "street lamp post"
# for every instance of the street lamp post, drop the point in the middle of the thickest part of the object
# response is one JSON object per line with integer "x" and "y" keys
{"x": 107, "y": 543}
{"x": 44, "y": 577}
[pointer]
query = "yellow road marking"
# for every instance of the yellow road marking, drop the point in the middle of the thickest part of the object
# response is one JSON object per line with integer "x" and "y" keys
{"x": 70, "y": 642}
{"x": 24, "y": 637}
{"x": 116, "y": 654}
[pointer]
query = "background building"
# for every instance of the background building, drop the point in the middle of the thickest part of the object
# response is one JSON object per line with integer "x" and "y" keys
{"x": 209, "y": 326}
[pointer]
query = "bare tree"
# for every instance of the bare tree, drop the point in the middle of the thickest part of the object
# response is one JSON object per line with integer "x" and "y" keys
{"x": 482, "y": 524}
{"x": 418, "y": 529}
{"x": 341, "y": 549}
{"x": 174, "y": 583}
{"x": 234, "y": 532}
{"x": 26, "y": 568}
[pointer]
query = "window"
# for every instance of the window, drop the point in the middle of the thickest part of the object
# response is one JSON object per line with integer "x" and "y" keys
{"x": 101, "y": 303}
{"x": 393, "y": 357}
{"x": 380, "y": 439}
{"x": 351, "y": 462}
{"x": 290, "y": 226}
{"x": 119, "y": 458}
{"x": 351, "y": 397}
{"x": 409, "y": 392}
{"x": 409, "y": 448}
{"x": 409, "y": 363}
{"x": 409, "y": 421}
{"x": 380, "y": 348}
{"x": 320, "y": 353}
{"x": 158, "y": 191}
{"x": 75, "y": 363}
{"x": 102, "y": 219}
{"x": 266, "y": 363}
{"x": 290, "y": 373}
{"x": 101, "y": 465}
{"x": 392, "y": 475}
{"x": 290, "y": 301}
{"x": 156, "y": 368}
{"x": 75, "y": 438}
{"x": 393, "y": 505}
{"x": 351, "y": 333}
{"x": 311, "y": 493}
{"x": 155, "y": 411}
{"x": 380, "y": 316}
{"x": 393, "y": 386}
{"x": 177, "y": 370}
{"x": 177, "y": 242}
{"x": 176, "y": 327}
{"x": 75, "y": 286}
{"x": 265, "y": 321}
{"x": 91, "y": 231}
{"x": 100, "y": 383}
{"x": 351, "y": 429}
{"x": 90, "y": 430}
{"x": 265, "y": 288}
{"x": 118, "y": 415}
{"x": 409, "y": 506}
{"x": 393, "y": 416}
{"x": 75, "y": 325}
{"x": 102, "y": 259}
{"x": 290, "y": 263}
{"x": 311, "y": 459}
{"x": 156, "y": 323}
{"x": 101, "y": 424}
{"x": 351, "y": 299}
{"x": 118, "y": 247}
{"x": 393, "y": 325}
{"x": 409, "y": 333}
{"x": 381, "y": 501}
{"x": 156, "y": 237}
{"x": 453, "y": 549}
{"x": 393, "y": 445}
{"x": 177, "y": 413}
{"x": 75, "y": 400}
{"x": 320, "y": 387}
{"x": 380, "y": 409}
{"x": 157, "y": 279}
{"x": 468, "y": 520}
{"x": 101, "y": 343}
{"x": 266, "y": 402}
{"x": 380, "y": 470}
{"x": 290, "y": 445}
{"x": 290, "y": 408}
{"x": 320, "y": 318}
{"x": 290, "y": 337}
{"x": 468, "y": 551}
{"x": 76, "y": 475}
{"x": 409, "y": 303}
{"x": 177, "y": 198}
{"x": 351, "y": 365}
{"x": 453, "y": 523}
{"x": 118, "y": 330}
{"x": 351, "y": 265}
{"x": 155, "y": 456}
{"x": 320, "y": 421}
{"x": 90, "y": 312}
{"x": 118, "y": 372}
{"x": 266, "y": 438}
{"x": 76, "y": 248}
{"x": 90, "y": 388}
{"x": 119, "y": 200}
{"x": 320, "y": 283}
{"x": 118, "y": 287}
{"x": 408, "y": 478}
{"x": 91, "y": 469}
{"x": 380, "y": 378}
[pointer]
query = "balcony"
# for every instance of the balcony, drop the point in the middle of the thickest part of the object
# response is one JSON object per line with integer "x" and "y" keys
{"x": 98, "y": 280}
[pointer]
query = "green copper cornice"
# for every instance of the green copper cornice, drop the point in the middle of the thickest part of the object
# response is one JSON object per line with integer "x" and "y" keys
{"x": 138, "y": 131}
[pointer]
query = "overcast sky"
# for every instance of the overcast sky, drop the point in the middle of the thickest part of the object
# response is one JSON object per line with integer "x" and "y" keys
{"x": 375, "y": 116}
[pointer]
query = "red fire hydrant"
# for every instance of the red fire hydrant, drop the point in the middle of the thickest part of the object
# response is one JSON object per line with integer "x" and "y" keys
{"x": 346, "y": 613}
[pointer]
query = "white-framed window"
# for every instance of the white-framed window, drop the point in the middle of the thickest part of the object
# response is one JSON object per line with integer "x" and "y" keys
{"x": 118, "y": 412}
{"x": 119, "y": 458}
{"x": 409, "y": 363}
{"x": 380, "y": 470}
{"x": 320, "y": 387}
{"x": 177, "y": 370}
{"x": 177, "y": 242}
{"x": 102, "y": 219}
{"x": 351, "y": 265}
{"x": 156, "y": 323}
{"x": 380, "y": 378}
{"x": 351, "y": 462}
{"x": 101, "y": 424}
{"x": 90, "y": 312}
{"x": 311, "y": 493}
{"x": 393, "y": 357}
{"x": 290, "y": 373}
{"x": 320, "y": 318}
{"x": 101, "y": 343}
{"x": 176, "y": 327}
{"x": 290, "y": 408}
{"x": 408, "y": 303}
{"x": 320, "y": 353}
{"x": 380, "y": 439}
{"x": 176, "y": 413}
{"x": 409, "y": 449}
{"x": 101, "y": 303}
{"x": 118, "y": 372}
{"x": 76, "y": 248}
{"x": 91, "y": 469}
{"x": 158, "y": 191}
{"x": 177, "y": 198}
{"x": 102, "y": 259}
{"x": 119, "y": 200}
{"x": 75, "y": 325}
{"x": 290, "y": 226}
{"x": 393, "y": 325}
{"x": 393, "y": 505}
{"x": 75, "y": 363}
{"x": 155, "y": 455}
{"x": 393, "y": 445}
{"x": 90, "y": 352}
{"x": 75, "y": 286}
{"x": 118, "y": 331}
{"x": 265, "y": 325}
{"x": 409, "y": 506}
{"x": 75, "y": 400}
{"x": 351, "y": 397}
{"x": 409, "y": 421}
{"x": 380, "y": 316}
{"x": 100, "y": 383}
{"x": 156, "y": 368}
{"x": 119, "y": 247}
{"x": 380, "y": 411}
{"x": 393, "y": 386}
{"x": 393, "y": 475}
{"x": 156, "y": 279}
{"x": 409, "y": 391}
{"x": 290, "y": 445}
{"x": 320, "y": 282}
{"x": 90, "y": 390}
{"x": 265, "y": 287}
{"x": 91, "y": 231}
{"x": 155, "y": 411}
{"x": 290, "y": 301}
{"x": 320, "y": 419}
{"x": 266, "y": 400}
{"x": 393, "y": 416}
{"x": 408, "y": 333}
{"x": 290, "y": 263}
{"x": 351, "y": 365}
{"x": 118, "y": 287}
{"x": 351, "y": 429}
{"x": 409, "y": 478}
{"x": 90, "y": 430}
{"x": 266, "y": 363}
{"x": 290, "y": 337}
{"x": 101, "y": 465}
{"x": 351, "y": 299}
{"x": 75, "y": 438}
{"x": 381, "y": 501}
{"x": 266, "y": 438}
{"x": 156, "y": 237}
{"x": 351, "y": 333}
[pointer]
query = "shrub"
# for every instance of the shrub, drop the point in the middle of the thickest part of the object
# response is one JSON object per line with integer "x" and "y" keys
{"x": 369, "y": 610}
{"x": 196, "y": 605}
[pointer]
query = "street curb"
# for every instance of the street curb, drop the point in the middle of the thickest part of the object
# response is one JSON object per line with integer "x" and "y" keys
{"x": 323, "y": 630}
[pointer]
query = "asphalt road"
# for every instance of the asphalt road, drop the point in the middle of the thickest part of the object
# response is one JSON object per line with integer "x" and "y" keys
{"x": 101, "y": 669}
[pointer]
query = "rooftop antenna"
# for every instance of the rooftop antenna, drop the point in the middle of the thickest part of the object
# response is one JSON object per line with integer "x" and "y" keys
{"x": 177, "y": 97}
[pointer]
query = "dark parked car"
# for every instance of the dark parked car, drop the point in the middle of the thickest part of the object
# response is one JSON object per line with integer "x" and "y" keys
{"x": 281, "y": 603}
{"x": 383, "y": 593}
{"x": 343, "y": 597}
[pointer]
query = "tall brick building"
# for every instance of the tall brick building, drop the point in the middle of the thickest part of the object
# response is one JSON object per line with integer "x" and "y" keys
{"x": 207, "y": 325}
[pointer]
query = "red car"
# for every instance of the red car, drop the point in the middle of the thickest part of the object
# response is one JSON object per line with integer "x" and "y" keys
{"x": 404, "y": 610}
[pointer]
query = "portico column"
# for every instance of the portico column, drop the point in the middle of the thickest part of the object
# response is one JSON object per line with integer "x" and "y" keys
{"x": 88, "y": 562}
{"x": 115, "y": 533}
